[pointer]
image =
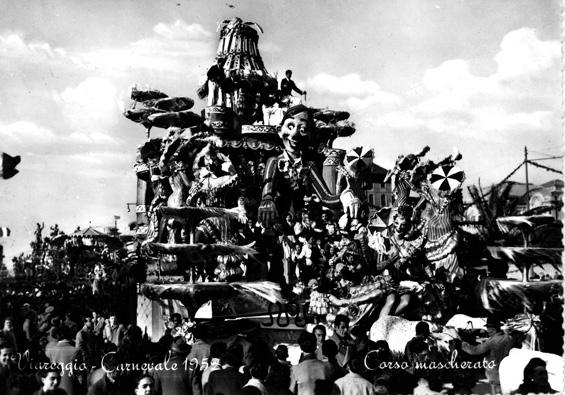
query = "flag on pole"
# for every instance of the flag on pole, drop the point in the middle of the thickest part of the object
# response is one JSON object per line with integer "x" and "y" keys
{"x": 8, "y": 165}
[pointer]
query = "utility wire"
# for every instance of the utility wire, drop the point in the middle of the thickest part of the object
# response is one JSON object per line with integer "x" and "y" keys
{"x": 542, "y": 153}
{"x": 544, "y": 167}
{"x": 506, "y": 178}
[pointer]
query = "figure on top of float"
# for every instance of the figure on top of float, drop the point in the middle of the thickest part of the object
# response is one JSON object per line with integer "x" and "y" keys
{"x": 287, "y": 87}
{"x": 220, "y": 86}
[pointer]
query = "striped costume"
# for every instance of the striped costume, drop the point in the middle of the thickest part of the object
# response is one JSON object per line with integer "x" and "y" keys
{"x": 442, "y": 239}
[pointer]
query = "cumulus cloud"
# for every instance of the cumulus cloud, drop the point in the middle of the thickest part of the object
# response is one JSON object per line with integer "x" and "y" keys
{"x": 354, "y": 92}
{"x": 522, "y": 53}
{"x": 89, "y": 113}
{"x": 379, "y": 98}
{"x": 347, "y": 85}
{"x": 170, "y": 47}
{"x": 13, "y": 46}
{"x": 454, "y": 75}
{"x": 21, "y": 133}
{"x": 174, "y": 48}
{"x": 512, "y": 100}
{"x": 180, "y": 30}
{"x": 90, "y": 109}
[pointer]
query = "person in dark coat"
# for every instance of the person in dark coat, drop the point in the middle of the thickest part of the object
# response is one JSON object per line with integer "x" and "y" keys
{"x": 228, "y": 380}
{"x": 111, "y": 383}
{"x": 65, "y": 354}
{"x": 288, "y": 86}
{"x": 174, "y": 379}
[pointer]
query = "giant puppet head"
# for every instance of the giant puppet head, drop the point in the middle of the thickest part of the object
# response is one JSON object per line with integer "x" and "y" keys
{"x": 296, "y": 129}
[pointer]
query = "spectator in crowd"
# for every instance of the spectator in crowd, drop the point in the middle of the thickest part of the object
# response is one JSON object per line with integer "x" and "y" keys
{"x": 329, "y": 350}
{"x": 113, "y": 331}
{"x": 133, "y": 348}
{"x": 320, "y": 332}
{"x": 69, "y": 323}
{"x": 281, "y": 354}
{"x": 353, "y": 383}
{"x": 200, "y": 352}
{"x": 496, "y": 347}
{"x": 535, "y": 379}
{"x": 65, "y": 354}
{"x": 7, "y": 367}
{"x": 278, "y": 379}
{"x": 111, "y": 383}
{"x": 45, "y": 318}
{"x": 50, "y": 381}
{"x": 418, "y": 344}
{"x": 174, "y": 378}
{"x": 362, "y": 344}
{"x": 342, "y": 339}
{"x": 145, "y": 385}
{"x": 228, "y": 380}
{"x": 29, "y": 325}
{"x": 304, "y": 376}
{"x": 98, "y": 323}
{"x": 258, "y": 373}
{"x": 217, "y": 351}
{"x": 8, "y": 333}
{"x": 85, "y": 341}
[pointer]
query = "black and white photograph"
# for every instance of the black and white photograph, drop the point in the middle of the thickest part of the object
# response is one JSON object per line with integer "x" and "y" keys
{"x": 272, "y": 197}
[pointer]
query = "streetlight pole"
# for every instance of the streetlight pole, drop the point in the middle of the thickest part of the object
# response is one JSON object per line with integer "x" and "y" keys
{"x": 527, "y": 178}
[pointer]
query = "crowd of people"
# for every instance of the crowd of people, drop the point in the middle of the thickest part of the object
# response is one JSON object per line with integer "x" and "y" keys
{"x": 51, "y": 353}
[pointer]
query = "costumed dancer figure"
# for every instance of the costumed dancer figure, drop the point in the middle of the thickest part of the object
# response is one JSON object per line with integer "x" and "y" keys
{"x": 215, "y": 178}
{"x": 405, "y": 260}
{"x": 162, "y": 191}
{"x": 441, "y": 235}
{"x": 400, "y": 176}
{"x": 440, "y": 194}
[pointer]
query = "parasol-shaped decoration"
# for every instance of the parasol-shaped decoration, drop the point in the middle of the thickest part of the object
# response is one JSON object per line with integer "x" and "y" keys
{"x": 447, "y": 178}
{"x": 379, "y": 220}
{"x": 358, "y": 158}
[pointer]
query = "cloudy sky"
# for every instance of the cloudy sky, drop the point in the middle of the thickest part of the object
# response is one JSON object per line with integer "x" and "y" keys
{"x": 480, "y": 75}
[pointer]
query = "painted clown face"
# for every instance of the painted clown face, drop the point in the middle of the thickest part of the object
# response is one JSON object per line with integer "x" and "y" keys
{"x": 294, "y": 132}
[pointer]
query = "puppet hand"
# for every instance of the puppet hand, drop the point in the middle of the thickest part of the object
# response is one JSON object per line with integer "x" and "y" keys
{"x": 350, "y": 202}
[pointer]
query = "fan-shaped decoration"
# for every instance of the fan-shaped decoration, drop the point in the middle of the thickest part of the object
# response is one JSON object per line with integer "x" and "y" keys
{"x": 380, "y": 220}
{"x": 447, "y": 178}
{"x": 358, "y": 158}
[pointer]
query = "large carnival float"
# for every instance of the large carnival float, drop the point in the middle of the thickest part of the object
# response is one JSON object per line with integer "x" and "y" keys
{"x": 215, "y": 197}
